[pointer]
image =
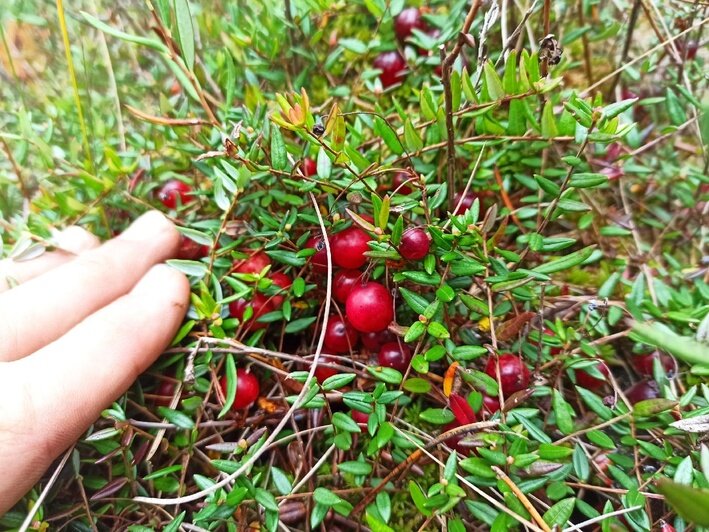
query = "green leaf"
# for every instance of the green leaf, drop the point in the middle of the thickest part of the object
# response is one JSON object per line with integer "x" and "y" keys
{"x": 353, "y": 45}
{"x": 281, "y": 481}
{"x": 177, "y": 418}
{"x": 661, "y": 336}
{"x": 437, "y": 416}
{"x": 614, "y": 109}
{"x": 562, "y": 413}
{"x": 390, "y": 138}
{"x": 411, "y": 137}
{"x": 548, "y": 186}
{"x": 417, "y": 385}
{"x": 344, "y": 422}
{"x": 564, "y": 263}
{"x": 300, "y": 324}
{"x": 587, "y": 180}
{"x": 143, "y": 41}
{"x": 438, "y": 330}
{"x": 388, "y": 375}
{"x": 185, "y": 31}
{"x": 324, "y": 164}
{"x": 419, "y": 498}
{"x": 192, "y": 268}
{"x": 690, "y": 503}
{"x": 675, "y": 110}
{"x": 279, "y": 157}
{"x": 326, "y": 497}
{"x": 493, "y": 82}
{"x": 231, "y": 382}
{"x": 415, "y": 331}
{"x": 650, "y": 407}
{"x": 549, "y": 129}
{"x": 549, "y": 451}
{"x": 560, "y": 513}
{"x": 355, "y": 467}
{"x": 338, "y": 381}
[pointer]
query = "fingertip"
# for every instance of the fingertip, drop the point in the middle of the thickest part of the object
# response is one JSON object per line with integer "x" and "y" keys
{"x": 153, "y": 227}
{"x": 161, "y": 282}
{"x": 76, "y": 240}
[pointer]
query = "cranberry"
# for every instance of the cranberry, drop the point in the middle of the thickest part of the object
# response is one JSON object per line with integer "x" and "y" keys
{"x": 359, "y": 417}
{"x": 406, "y": 21}
{"x": 645, "y": 364}
{"x": 174, "y": 190}
{"x": 340, "y": 336}
{"x": 369, "y": 307}
{"x": 692, "y": 47}
{"x": 374, "y": 340}
{"x": 348, "y": 248}
{"x": 260, "y": 304}
{"x": 642, "y": 391}
{"x": 282, "y": 281}
{"x": 247, "y": 389}
{"x": 491, "y": 404}
{"x": 319, "y": 260}
{"x": 309, "y": 167}
{"x": 415, "y": 243}
{"x": 164, "y": 393}
{"x": 401, "y": 184}
{"x": 393, "y": 67}
{"x": 514, "y": 375}
{"x": 322, "y": 373}
{"x": 588, "y": 381}
{"x": 465, "y": 204}
{"x": 395, "y": 355}
{"x": 343, "y": 283}
{"x": 191, "y": 250}
{"x": 253, "y": 264}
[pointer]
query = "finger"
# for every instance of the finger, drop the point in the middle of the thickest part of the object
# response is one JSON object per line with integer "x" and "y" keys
{"x": 62, "y": 389}
{"x": 71, "y": 242}
{"x": 41, "y": 310}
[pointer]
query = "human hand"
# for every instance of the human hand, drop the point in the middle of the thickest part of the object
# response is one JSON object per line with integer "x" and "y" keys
{"x": 76, "y": 333}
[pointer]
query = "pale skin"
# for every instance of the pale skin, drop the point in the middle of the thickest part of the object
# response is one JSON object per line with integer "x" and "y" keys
{"x": 81, "y": 325}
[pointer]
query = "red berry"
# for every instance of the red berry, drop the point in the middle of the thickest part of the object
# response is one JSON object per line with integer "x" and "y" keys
{"x": 395, "y": 355}
{"x": 692, "y": 47}
{"x": 172, "y": 190}
{"x": 309, "y": 167}
{"x": 393, "y": 67}
{"x": 490, "y": 404}
{"x": 369, "y": 307}
{"x": 359, "y": 417}
{"x": 401, "y": 184}
{"x": 247, "y": 389}
{"x": 465, "y": 204}
{"x": 374, "y": 340}
{"x": 191, "y": 250}
{"x": 253, "y": 264}
{"x": 261, "y": 305}
{"x": 322, "y": 373}
{"x": 164, "y": 393}
{"x": 514, "y": 375}
{"x": 282, "y": 281}
{"x": 415, "y": 243}
{"x": 588, "y": 381}
{"x": 645, "y": 364}
{"x": 340, "y": 336}
{"x": 642, "y": 391}
{"x": 666, "y": 527}
{"x": 343, "y": 283}
{"x": 406, "y": 21}
{"x": 319, "y": 260}
{"x": 348, "y": 248}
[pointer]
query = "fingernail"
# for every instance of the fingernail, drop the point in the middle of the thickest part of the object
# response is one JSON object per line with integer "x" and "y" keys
{"x": 147, "y": 227}
{"x": 75, "y": 240}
